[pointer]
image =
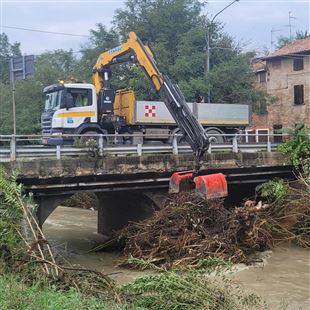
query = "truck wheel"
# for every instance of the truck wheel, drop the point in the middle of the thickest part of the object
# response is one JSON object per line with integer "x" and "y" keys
{"x": 180, "y": 139}
{"x": 89, "y": 140}
{"x": 128, "y": 139}
{"x": 213, "y": 136}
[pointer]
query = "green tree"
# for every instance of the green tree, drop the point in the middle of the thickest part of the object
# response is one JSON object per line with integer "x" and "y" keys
{"x": 54, "y": 65}
{"x": 50, "y": 67}
{"x": 100, "y": 40}
{"x": 176, "y": 30}
{"x": 5, "y": 109}
{"x": 171, "y": 27}
{"x": 7, "y": 50}
{"x": 158, "y": 20}
{"x": 29, "y": 101}
{"x": 283, "y": 40}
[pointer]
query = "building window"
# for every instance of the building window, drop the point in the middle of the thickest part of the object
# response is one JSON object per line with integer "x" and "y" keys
{"x": 262, "y": 77}
{"x": 262, "y": 135}
{"x": 249, "y": 135}
{"x": 298, "y": 64}
{"x": 299, "y": 94}
{"x": 276, "y": 64}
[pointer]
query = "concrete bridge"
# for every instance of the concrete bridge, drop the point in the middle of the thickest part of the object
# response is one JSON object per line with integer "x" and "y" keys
{"x": 131, "y": 187}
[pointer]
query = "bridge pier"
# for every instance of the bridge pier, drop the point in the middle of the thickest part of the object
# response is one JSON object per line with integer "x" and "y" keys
{"x": 47, "y": 204}
{"x": 117, "y": 209}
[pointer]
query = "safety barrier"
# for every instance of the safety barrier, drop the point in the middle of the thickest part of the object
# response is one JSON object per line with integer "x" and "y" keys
{"x": 13, "y": 147}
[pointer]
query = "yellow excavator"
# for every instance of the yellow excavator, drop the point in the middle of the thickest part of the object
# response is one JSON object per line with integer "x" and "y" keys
{"x": 208, "y": 186}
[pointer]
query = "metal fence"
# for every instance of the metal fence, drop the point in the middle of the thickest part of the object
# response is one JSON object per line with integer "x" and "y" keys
{"x": 14, "y": 147}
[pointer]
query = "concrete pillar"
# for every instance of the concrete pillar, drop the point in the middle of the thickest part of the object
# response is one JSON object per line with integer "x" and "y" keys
{"x": 47, "y": 204}
{"x": 158, "y": 196}
{"x": 117, "y": 209}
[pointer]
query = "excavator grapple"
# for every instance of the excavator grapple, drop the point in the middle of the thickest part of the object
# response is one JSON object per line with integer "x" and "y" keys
{"x": 181, "y": 181}
{"x": 206, "y": 186}
{"x": 211, "y": 186}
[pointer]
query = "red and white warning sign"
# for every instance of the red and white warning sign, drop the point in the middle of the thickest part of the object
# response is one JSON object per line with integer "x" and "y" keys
{"x": 150, "y": 111}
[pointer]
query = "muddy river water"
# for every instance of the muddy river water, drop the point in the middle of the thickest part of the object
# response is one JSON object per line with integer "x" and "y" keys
{"x": 283, "y": 280}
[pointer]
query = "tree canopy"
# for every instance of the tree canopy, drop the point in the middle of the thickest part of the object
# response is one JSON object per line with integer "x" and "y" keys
{"x": 7, "y": 50}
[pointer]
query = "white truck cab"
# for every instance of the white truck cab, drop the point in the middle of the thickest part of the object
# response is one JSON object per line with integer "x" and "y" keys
{"x": 68, "y": 107}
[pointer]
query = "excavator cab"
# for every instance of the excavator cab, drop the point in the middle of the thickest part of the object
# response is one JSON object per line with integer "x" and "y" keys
{"x": 106, "y": 101}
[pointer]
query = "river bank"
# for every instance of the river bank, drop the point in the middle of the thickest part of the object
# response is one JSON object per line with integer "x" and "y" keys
{"x": 282, "y": 279}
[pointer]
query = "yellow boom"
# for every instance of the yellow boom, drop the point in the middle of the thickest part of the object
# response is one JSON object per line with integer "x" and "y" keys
{"x": 142, "y": 55}
{"x": 135, "y": 51}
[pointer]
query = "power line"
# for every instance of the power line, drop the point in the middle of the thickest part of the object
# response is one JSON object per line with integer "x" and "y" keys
{"x": 43, "y": 31}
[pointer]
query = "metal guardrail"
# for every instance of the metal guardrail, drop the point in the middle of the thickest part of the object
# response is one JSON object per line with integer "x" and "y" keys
{"x": 13, "y": 146}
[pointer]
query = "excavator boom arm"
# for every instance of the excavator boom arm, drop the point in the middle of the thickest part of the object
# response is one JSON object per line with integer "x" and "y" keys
{"x": 135, "y": 50}
{"x": 138, "y": 52}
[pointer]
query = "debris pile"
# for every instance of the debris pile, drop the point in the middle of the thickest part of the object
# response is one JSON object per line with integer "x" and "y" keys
{"x": 82, "y": 200}
{"x": 189, "y": 230}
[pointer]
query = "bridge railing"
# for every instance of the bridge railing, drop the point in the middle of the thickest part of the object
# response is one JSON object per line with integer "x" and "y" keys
{"x": 25, "y": 146}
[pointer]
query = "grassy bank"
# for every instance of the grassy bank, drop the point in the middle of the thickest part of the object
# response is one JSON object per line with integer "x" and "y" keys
{"x": 167, "y": 290}
{"x": 15, "y": 294}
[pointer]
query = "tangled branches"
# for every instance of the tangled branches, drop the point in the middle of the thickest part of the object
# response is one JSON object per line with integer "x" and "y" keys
{"x": 188, "y": 230}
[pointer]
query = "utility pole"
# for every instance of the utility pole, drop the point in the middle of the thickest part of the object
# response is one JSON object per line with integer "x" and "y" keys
{"x": 290, "y": 17}
{"x": 208, "y": 43}
{"x": 21, "y": 68}
{"x": 13, "y": 97}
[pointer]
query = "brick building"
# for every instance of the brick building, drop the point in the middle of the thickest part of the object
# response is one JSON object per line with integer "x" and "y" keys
{"x": 285, "y": 74}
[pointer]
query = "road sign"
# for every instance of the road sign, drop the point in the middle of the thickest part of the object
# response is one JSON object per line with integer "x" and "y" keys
{"x": 21, "y": 68}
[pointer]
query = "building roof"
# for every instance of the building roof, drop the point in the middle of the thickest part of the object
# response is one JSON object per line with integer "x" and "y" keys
{"x": 296, "y": 47}
{"x": 259, "y": 66}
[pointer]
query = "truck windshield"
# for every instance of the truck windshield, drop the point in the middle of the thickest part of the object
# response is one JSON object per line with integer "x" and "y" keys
{"x": 52, "y": 100}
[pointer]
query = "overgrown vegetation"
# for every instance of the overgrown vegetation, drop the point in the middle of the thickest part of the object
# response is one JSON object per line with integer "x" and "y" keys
{"x": 274, "y": 190}
{"x": 10, "y": 213}
{"x": 25, "y": 250}
{"x": 290, "y": 201}
{"x": 188, "y": 289}
{"x": 298, "y": 148}
{"x": 16, "y": 294}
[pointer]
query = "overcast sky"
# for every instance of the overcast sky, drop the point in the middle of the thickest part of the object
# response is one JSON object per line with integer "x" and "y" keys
{"x": 248, "y": 20}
